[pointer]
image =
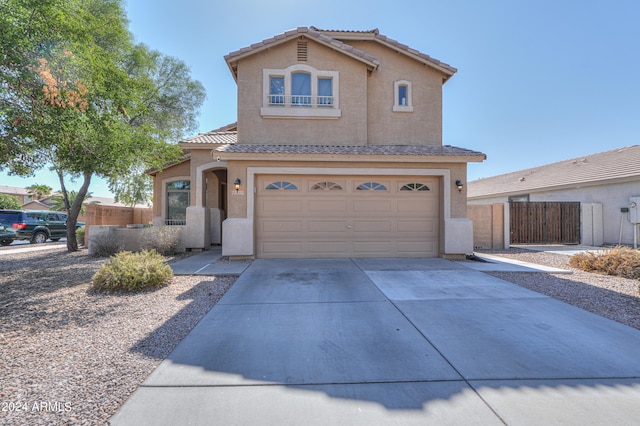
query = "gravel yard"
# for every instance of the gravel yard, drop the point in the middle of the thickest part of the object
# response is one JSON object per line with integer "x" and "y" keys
{"x": 72, "y": 356}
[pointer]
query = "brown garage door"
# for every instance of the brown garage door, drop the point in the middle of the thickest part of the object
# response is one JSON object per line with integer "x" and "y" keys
{"x": 347, "y": 216}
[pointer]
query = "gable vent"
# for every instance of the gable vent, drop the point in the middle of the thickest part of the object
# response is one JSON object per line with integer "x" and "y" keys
{"x": 302, "y": 51}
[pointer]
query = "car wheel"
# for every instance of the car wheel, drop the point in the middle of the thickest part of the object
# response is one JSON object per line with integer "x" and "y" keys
{"x": 38, "y": 238}
{"x": 5, "y": 242}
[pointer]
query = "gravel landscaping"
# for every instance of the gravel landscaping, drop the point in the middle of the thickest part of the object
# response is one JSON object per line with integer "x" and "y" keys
{"x": 70, "y": 355}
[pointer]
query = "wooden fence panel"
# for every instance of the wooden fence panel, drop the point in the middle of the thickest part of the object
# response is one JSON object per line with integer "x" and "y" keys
{"x": 545, "y": 222}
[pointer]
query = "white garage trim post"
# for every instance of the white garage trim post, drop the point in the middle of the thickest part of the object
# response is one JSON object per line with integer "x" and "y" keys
{"x": 238, "y": 233}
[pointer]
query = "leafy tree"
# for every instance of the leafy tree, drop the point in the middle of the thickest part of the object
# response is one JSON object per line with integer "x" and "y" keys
{"x": 9, "y": 202}
{"x": 39, "y": 191}
{"x": 78, "y": 95}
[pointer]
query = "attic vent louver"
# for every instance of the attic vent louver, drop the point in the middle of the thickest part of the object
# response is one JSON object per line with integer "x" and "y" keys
{"x": 302, "y": 51}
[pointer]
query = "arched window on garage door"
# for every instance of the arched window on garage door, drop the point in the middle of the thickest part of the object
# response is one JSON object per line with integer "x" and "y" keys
{"x": 415, "y": 187}
{"x": 371, "y": 186}
{"x": 326, "y": 186}
{"x": 281, "y": 185}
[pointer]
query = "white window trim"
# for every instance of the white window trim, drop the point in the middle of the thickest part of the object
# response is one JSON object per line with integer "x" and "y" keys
{"x": 312, "y": 111}
{"x": 396, "y": 97}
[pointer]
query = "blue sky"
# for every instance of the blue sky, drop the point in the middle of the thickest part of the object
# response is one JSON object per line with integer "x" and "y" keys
{"x": 538, "y": 81}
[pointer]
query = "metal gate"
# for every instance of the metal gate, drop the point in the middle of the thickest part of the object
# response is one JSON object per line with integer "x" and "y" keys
{"x": 545, "y": 222}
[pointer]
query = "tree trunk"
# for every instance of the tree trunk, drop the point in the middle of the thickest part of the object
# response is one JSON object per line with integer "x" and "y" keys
{"x": 74, "y": 212}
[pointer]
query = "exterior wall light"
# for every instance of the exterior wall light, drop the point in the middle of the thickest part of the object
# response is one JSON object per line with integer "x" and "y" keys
{"x": 237, "y": 183}
{"x": 459, "y": 185}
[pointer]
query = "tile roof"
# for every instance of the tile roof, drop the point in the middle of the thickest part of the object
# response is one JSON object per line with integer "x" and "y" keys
{"x": 308, "y": 32}
{"x": 375, "y": 35}
{"x": 336, "y": 39}
{"x": 212, "y": 137}
{"x": 619, "y": 163}
{"x": 13, "y": 190}
{"x": 429, "y": 150}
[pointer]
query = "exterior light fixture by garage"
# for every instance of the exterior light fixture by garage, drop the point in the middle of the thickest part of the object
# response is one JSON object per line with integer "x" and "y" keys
{"x": 237, "y": 184}
{"x": 459, "y": 185}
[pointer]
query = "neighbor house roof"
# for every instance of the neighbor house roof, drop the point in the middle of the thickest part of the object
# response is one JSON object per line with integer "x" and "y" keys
{"x": 334, "y": 39}
{"x": 13, "y": 190}
{"x": 617, "y": 164}
{"x": 414, "y": 150}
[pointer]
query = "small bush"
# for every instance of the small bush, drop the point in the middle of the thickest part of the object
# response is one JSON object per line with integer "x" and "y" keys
{"x": 127, "y": 271}
{"x": 105, "y": 244}
{"x": 80, "y": 233}
{"x": 164, "y": 239}
{"x": 618, "y": 261}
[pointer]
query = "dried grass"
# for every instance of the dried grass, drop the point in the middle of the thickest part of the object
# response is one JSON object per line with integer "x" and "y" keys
{"x": 617, "y": 261}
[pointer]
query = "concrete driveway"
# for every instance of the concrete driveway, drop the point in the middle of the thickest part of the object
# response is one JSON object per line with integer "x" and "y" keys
{"x": 391, "y": 341}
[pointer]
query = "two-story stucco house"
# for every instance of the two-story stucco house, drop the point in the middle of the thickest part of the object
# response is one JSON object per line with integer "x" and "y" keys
{"x": 337, "y": 152}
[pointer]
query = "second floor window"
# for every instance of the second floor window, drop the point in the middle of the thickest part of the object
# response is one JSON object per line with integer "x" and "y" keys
{"x": 300, "y": 88}
{"x": 300, "y": 85}
{"x": 402, "y": 98}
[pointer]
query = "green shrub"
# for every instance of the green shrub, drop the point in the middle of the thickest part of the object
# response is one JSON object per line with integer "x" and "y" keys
{"x": 80, "y": 233}
{"x": 164, "y": 239}
{"x": 618, "y": 261}
{"x": 127, "y": 271}
{"x": 105, "y": 244}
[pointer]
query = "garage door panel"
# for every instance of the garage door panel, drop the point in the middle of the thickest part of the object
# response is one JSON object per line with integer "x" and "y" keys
{"x": 371, "y": 206}
{"x": 410, "y": 247}
{"x": 284, "y": 206}
{"x": 327, "y": 226}
{"x": 416, "y": 205}
{"x": 281, "y": 247}
{"x": 428, "y": 227}
{"x": 373, "y": 226}
{"x": 327, "y": 206}
{"x": 327, "y": 248}
{"x": 313, "y": 221}
{"x": 282, "y": 226}
{"x": 371, "y": 247}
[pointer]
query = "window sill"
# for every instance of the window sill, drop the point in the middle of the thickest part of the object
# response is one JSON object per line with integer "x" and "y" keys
{"x": 400, "y": 108}
{"x": 300, "y": 112}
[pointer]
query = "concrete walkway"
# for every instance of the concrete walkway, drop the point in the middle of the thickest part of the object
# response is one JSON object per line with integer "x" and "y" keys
{"x": 391, "y": 341}
{"x": 208, "y": 262}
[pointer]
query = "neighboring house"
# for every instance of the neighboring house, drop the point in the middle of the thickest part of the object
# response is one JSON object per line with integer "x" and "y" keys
{"x": 337, "y": 152}
{"x": 20, "y": 193}
{"x": 605, "y": 183}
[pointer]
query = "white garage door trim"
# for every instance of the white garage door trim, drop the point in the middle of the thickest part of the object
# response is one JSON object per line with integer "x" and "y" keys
{"x": 243, "y": 228}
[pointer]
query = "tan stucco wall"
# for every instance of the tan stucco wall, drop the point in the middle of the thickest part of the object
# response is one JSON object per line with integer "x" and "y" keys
{"x": 423, "y": 126}
{"x": 366, "y": 99}
{"x": 349, "y": 129}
